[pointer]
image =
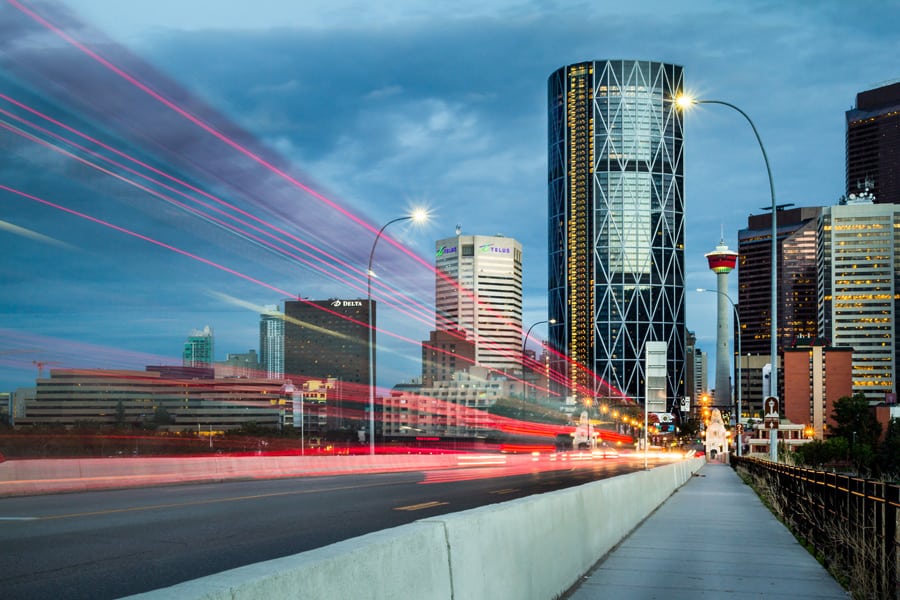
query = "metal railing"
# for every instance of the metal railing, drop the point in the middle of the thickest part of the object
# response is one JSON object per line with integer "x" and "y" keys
{"x": 850, "y": 522}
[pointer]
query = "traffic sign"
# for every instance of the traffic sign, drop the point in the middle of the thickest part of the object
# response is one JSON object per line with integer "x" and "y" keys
{"x": 771, "y": 417}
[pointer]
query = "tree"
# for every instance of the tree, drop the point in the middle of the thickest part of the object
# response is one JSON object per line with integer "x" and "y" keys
{"x": 857, "y": 424}
{"x": 889, "y": 451}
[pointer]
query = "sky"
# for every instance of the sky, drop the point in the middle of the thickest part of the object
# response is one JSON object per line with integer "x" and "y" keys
{"x": 168, "y": 165}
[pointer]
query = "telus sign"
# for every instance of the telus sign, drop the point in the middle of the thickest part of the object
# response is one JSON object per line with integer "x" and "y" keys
{"x": 493, "y": 249}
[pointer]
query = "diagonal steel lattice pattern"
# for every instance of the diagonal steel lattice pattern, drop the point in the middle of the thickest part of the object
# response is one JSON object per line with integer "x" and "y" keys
{"x": 616, "y": 224}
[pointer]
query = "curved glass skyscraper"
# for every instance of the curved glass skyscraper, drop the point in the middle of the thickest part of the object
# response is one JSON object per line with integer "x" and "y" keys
{"x": 616, "y": 230}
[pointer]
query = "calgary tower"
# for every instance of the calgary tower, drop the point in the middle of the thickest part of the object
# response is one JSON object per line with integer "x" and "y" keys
{"x": 722, "y": 262}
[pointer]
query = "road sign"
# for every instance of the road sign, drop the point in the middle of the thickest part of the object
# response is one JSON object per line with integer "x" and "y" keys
{"x": 771, "y": 418}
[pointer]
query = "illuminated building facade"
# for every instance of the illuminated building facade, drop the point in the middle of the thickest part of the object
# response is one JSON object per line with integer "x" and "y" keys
{"x": 190, "y": 397}
{"x": 325, "y": 339}
{"x": 271, "y": 343}
{"x": 859, "y": 289}
{"x": 478, "y": 289}
{"x": 616, "y": 225}
{"x": 199, "y": 349}
{"x": 797, "y": 287}
{"x": 873, "y": 144}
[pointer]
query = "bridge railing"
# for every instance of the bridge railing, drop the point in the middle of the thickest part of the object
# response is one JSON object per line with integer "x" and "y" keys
{"x": 851, "y": 523}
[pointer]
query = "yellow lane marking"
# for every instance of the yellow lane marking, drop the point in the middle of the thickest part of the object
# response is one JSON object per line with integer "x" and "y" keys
{"x": 202, "y": 502}
{"x": 506, "y": 491}
{"x": 421, "y": 506}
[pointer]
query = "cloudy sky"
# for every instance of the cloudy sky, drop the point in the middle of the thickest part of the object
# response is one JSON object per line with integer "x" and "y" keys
{"x": 171, "y": 164}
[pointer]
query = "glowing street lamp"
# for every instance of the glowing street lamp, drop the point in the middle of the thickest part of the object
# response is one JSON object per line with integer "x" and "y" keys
{"x": 683, "y": 102}
{"x": 418, "y": 216}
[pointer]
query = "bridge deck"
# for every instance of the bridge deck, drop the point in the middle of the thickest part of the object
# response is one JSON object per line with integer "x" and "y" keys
{"x": 713, "y": 538}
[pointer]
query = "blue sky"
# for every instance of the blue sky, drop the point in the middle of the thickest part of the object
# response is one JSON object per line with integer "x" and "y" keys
{"x": 369, "y": 110}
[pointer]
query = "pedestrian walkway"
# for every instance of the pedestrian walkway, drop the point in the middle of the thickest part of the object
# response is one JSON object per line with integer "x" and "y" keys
{"x": 713, "y": 538}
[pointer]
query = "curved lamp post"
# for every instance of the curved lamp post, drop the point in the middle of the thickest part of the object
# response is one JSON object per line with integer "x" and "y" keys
{"x": 417, "y": 216}
{"x": 684, "y": 102}
{"x": 525, "y": 342}
{"x": 528, "y": 333}
{"x": 737, "y": 317}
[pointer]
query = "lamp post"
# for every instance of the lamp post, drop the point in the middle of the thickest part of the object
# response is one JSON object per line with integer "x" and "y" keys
{"x": 684, "y": 102}
{"x": 525, "y": 340}
{"x": 417, "y": 216}
{"x": 737, "y": 376}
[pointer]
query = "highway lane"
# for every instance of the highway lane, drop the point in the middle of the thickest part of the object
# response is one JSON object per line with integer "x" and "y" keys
{"x": 109, "y": 544}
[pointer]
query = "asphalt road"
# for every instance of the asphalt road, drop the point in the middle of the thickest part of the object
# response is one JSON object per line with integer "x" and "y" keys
{"x": 97, "y": 545}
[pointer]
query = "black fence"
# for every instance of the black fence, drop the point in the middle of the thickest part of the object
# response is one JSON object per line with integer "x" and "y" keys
{"x": 849, "y": 522}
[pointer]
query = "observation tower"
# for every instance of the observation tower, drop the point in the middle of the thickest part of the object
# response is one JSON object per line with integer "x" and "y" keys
{"x": 722, "y": 262}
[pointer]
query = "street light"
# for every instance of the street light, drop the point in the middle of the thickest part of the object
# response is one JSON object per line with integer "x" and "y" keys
{"x": 528, "y": 333}
{"x": 737, "y": 317}
{"x": 525, "y": 340}
{"x": 418, "y": 216}
{"x": 683, "y": 102}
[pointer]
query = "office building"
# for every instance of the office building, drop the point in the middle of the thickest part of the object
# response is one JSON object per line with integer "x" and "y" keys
{"x": 797, "y": 299}
{"x": 237, "y": 365}
{"x": 456, "y": 407}
{"x": 328, "y": 339}
{"x": 478, "y": 289}
{"x": 696, "y": 372}
{"x": 199, "y": 349}
{"x": 445, "y": 353}
{"x": 616, "y": 226}
{"x": 873, "y": 144}
{"x": 271, "y": 343}
{"x": 859, "y": 289}
{"x": 815, "y": 376}
{"x": 183, "y": 399}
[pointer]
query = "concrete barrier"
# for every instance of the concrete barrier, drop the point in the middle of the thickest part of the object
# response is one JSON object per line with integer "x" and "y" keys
{"x": 531, "y": 548}
{"x": 52, "y": 475}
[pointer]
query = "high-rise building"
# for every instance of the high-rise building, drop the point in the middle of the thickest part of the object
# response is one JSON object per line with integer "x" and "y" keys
{"x": 238, "y": 364}
{"x": 859, "y": 289}
{"x": 616, "y": 225}
{"x": 271, "y": 342}
{"x": 695, "y": 373}
{"x": 797, "y": 301}
{"x": 478, "y": 289}
{"x": 199, "y": 349}
{"x": 873, "y": 144}
{"x": 328, "y": 339}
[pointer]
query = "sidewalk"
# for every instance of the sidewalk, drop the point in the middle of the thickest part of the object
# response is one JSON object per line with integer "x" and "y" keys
{"x": 713, "y": 538}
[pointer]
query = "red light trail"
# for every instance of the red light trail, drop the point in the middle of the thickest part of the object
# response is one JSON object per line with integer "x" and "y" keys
{"x": 297, "y": 249}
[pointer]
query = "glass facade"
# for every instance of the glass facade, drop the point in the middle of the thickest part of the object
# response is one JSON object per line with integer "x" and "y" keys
{"x": 271, "y": 343}
{"x": 859, "y": 290}
{"x": 616, "y": 226}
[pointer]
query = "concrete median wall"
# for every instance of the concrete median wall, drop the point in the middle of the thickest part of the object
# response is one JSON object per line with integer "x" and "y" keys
{"x": 530, "y": 548}
{"x": 52, "y": 475}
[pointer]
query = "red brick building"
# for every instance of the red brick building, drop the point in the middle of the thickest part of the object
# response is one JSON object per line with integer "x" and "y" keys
{"x": 815, "y": 376}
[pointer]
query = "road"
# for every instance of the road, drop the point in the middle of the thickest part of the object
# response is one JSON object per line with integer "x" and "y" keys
{"x": 110, "y": 544}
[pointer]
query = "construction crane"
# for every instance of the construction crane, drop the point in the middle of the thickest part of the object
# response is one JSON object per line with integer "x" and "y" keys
{"x": 41, "y": 364}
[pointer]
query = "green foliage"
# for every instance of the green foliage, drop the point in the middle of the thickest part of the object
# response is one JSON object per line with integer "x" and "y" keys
{"x": 161, "y": 416}
{"x": 856, "y": 424}
{"x": 889, "y": 452}
{"x": 690, "y": 428}
{"x": 817, "y": 453}
{"x": 855, "y": 420}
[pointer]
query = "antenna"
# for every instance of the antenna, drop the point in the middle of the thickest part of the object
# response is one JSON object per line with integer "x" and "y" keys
{"x": 458, "y": 229}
